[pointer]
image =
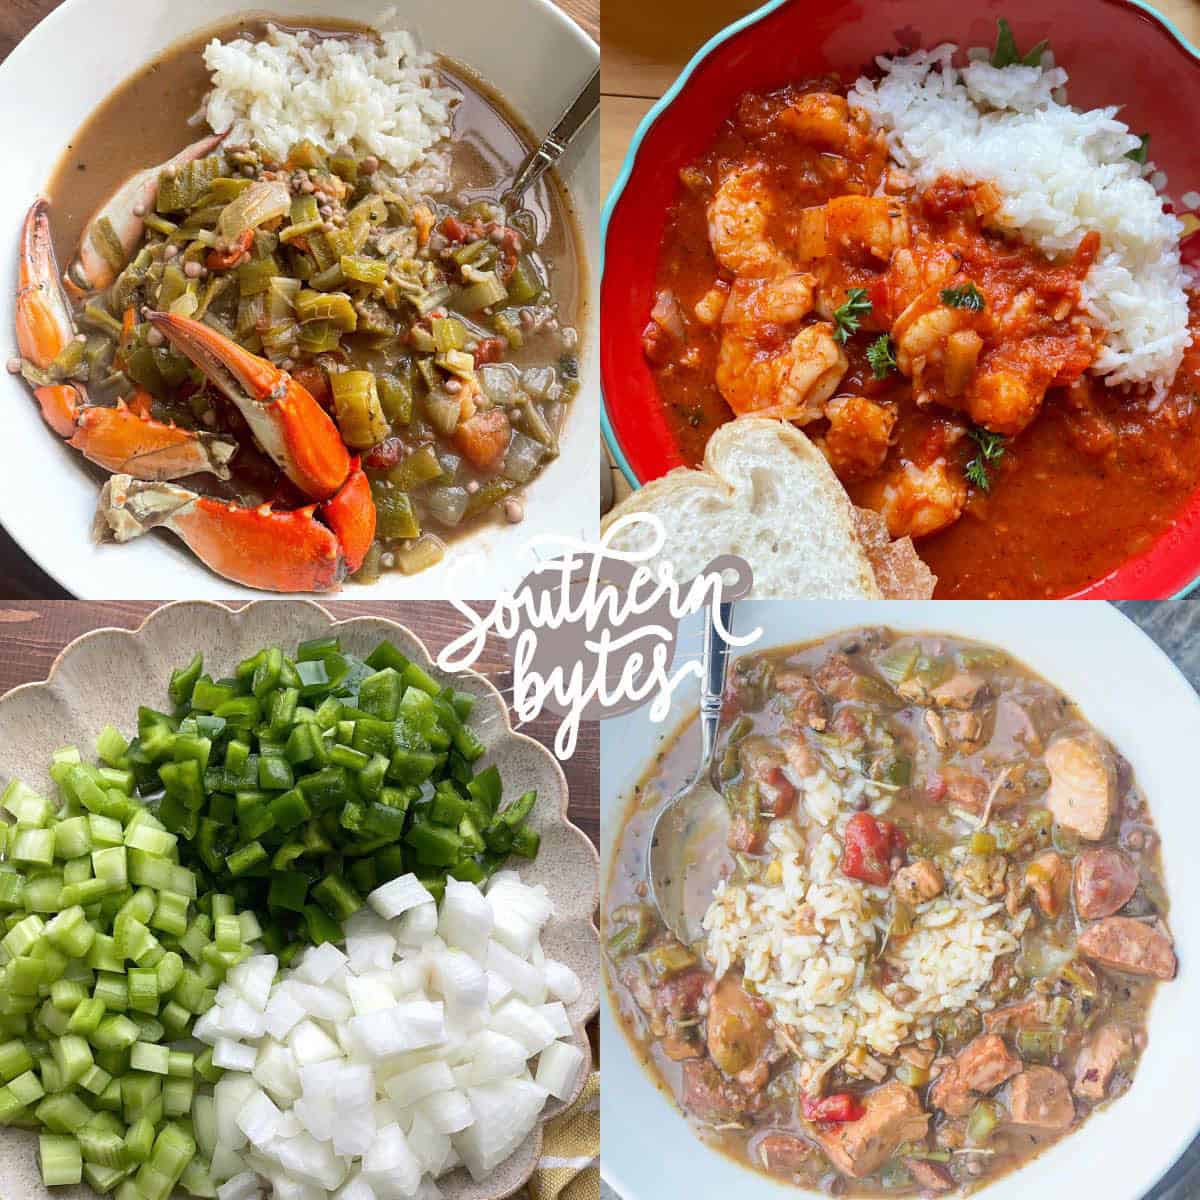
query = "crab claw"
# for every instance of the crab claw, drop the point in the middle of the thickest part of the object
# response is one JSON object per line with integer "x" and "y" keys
{"x": 117, "y": 439}
{"x": 310, "y": 549}
{"x": 283, "y": 416}
{"x": 113, "y": 233}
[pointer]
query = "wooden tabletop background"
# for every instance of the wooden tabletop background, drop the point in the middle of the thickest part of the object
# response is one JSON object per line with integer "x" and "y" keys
{"x": 32, "y": 633}
{"x": 20, "y": 577}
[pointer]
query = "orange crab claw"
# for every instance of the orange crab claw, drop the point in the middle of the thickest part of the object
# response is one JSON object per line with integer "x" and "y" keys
{"x": 44, "y": 325}
{"x": 117, "y": 219}
{"x": 118, "y": 439}
{"x": 258, "y": 547}
{"x": 351, "y": 515}
{"x": 283, "y": 416}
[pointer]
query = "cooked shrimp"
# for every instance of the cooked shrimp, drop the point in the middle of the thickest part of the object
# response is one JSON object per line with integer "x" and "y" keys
{"x": 738, "y": 216}
{"x": 777, "y": 301}
{"x": 917, "y": 501}
{"x": 862, "y": 228}
{"x": 791, "y": 382}
{"x": 858, "y": 437}
{"x": 711, "y": 305}
{"x": 1003, "y": 400}
{"x": 819, "y": 118}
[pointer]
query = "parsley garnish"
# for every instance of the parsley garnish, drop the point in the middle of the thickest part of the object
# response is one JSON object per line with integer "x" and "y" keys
{"x": 1006, "y": 53}
{"x": 881, "y": 357}
{"x": 1142, "y": 152}
{"x": 849, "y": 315}
{"x": 991, "y": 451}
{"x": 966, "y": 296}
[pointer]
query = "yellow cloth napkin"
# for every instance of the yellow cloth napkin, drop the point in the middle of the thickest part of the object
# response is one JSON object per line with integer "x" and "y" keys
{"x": 569, "y": 1168}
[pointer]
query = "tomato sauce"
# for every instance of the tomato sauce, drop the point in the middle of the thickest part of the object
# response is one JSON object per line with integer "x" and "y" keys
{"x": 1093, "y": 480}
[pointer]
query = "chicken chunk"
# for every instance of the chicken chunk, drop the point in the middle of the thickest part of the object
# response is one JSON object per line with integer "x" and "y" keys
{"x": 1049, "y": 878}
{"x": 838, "y": 677}
{"x": 1041, "y": 1097}
{"x": 978, "y": 1069}
{"x": 1123, "y": 944}
{"x": 1099, "y": 1058}
{"x": 961, "y": 690}
{"x": 739, "y": 1032}
{"x": 784, "y": 1153}
{"x": 893, "y": 1116}
{"x": 958, "y": 788}
{"x": 1083, "y": 785}
{"x": 1105, "y": 880}
{"x": 919, "y": 881}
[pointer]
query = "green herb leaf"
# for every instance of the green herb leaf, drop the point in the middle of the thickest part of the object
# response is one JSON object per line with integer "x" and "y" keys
{"x": 991, "y": 451}
{"x": 1005, "y": 53}
{"x": 1142, "y": 152}
{"x": 881, "y": 356}
{"x": 967, "y": 296}
{"x": 848, "y": 317}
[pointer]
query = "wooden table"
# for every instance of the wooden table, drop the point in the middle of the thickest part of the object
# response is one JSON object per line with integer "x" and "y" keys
{"x": 32, "y": 633}
{"x": 19, "y": 576}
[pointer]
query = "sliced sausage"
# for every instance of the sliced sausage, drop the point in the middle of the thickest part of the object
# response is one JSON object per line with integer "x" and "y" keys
{"x": 1123, "y": 944}
{"x": 763, "y": 761}
{"x": 1040, "y": 1097}
{"x": 1083, "y": 785}
{"x": 893, "y": 1115}
{"x": 707, "y": 1094}
{"x": 807, "y": 703}
{"x": 979, "y": 1068}
{"x": 1099, "y": 1058}
{"x": 1105, "y": 880}
{"x": 1021, "y": 1015}
{"x": 784, "y": 1153}
{"x": 930, "y": 1176}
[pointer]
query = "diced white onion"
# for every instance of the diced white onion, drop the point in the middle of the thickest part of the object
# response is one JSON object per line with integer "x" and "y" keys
{"x": 558, "y": 1068}
{"x": 233, "y": 1056}
{"x": 398, "y": 896}
{"x": 562, "y": 983}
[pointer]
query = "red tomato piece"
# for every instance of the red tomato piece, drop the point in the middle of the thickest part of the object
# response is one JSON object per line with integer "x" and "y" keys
{"x": 869, "y": 847}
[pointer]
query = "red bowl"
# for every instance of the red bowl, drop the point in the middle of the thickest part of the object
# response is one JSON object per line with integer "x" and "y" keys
{"x": 1154, "y": 75}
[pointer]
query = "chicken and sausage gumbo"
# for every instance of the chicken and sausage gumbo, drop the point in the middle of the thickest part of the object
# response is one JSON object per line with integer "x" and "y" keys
{"x": 999, "y": 873}
{"x": 939, "y": 364}
{"x": 437, "y": 331}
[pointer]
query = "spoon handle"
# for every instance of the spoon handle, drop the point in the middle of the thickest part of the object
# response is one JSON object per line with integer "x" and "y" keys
{"x": 715, "y": 662}
{"x": 555, "y": 143}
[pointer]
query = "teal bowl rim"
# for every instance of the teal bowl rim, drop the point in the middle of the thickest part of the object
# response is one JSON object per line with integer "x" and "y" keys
{"x": 668, "y": 98}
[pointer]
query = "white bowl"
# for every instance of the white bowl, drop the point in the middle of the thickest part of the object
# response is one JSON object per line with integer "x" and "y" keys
{"x": 1134, "y": 695}
{"x": 85, "y": 48}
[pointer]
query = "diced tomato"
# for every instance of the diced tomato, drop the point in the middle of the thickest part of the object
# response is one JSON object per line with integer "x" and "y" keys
{"x": 386, "y": 454}
{"x": 870, "y": 845}
{"x": 841, "y": 1107}
{"x": 483, "y": 438}
{"x": 489, "y": 350}
{"x": 314, "y": 381}
{"x": 222, "y": 260}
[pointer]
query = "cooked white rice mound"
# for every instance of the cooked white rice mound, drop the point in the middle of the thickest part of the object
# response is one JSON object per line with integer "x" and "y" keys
{"x": 808, "y": 942}
{"x": 1062, "y": 174}
{"x": 380, "y": 98}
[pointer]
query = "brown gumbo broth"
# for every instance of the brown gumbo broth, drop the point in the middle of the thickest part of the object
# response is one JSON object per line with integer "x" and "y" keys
{"x": 984, "y": 785}
{"x": 431, "y": 478}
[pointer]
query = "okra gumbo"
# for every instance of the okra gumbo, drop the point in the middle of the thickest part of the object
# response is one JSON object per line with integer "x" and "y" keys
{"x": 932, "y": 927}
{"x": 437, "y": 331}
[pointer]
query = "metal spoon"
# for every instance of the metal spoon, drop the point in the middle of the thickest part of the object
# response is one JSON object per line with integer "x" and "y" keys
{"x": 698, "y": 806}
{"x": 555, "y": 143}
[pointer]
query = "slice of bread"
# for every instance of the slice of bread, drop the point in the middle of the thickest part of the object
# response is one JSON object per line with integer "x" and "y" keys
{"x": 766, "y": 494}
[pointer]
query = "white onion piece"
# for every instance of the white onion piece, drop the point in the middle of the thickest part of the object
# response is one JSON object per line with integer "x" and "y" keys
{"x": 558, "y": 1068}
{"x": 398, "y": 896}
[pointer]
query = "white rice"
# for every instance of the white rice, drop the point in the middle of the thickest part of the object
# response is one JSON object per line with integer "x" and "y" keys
{"x": 379, "y": 98}
{"x": 1062, "y": 173}
{"x": 815, "y": 975}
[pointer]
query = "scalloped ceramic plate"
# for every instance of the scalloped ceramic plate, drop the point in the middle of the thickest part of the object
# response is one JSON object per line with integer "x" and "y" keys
{"x": 87, "y": 47}
{"x": 1156, "y": 82}
{"x": 101, "y": 678}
